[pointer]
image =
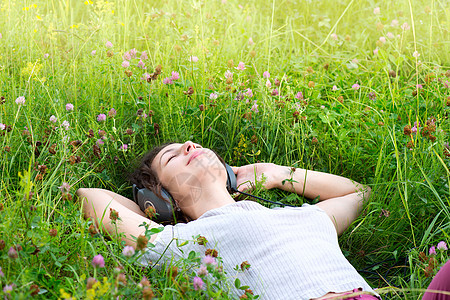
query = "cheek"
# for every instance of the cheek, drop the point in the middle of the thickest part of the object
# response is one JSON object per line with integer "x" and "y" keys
{"x": 165, "y": 176}
{"x": 183, "y": 184}
{"x": 173, "y": 174}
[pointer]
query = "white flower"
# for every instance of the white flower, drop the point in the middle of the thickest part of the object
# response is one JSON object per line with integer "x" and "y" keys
{"x": 128, "y": 251}
{"x": 65, "y": 124}
{"x": 20, "y": 100}
{"x": 193, "y": 59}
{"x": 228, "y": 74}
{"x": 416, "y": 54}
{"x": 213, "y": 96}
{"x": 53, "y": 119}
{"x": 405, "y": 26}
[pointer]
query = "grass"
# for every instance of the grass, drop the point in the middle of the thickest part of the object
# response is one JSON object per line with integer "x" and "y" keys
{"x": 46, "y": 56}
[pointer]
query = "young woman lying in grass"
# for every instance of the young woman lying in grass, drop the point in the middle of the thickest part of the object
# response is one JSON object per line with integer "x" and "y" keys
{"x": 289, "y": 253}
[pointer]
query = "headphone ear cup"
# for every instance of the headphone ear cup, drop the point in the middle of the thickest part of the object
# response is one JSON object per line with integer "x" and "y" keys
{"x": 135, "y": 192}
{"x": 163, "y": 207}
{"x": 231, "y": 180}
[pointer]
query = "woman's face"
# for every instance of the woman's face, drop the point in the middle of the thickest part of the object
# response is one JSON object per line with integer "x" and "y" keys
{"x": 186, "y": 170}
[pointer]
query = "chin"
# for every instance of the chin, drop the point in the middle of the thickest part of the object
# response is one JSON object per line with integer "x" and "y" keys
{"x": 208, "y": 168}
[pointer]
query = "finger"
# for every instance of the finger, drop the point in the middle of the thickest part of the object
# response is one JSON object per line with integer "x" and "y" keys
{"x": 235, "y": 169}
{"x": 244, "y": 186}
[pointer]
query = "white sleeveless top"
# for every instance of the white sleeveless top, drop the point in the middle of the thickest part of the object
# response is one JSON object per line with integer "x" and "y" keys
{"x": 293, "y": 252}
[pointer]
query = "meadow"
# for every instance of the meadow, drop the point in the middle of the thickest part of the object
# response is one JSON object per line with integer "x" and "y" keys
{"x": 355, "y": 88}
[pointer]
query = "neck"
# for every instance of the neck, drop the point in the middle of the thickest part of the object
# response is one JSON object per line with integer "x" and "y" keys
{"x": 211, "y": 198}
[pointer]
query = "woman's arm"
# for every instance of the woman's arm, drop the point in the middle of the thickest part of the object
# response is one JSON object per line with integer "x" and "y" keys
{"x": 97, "y": 204}
{"x": 125, "y": 202}
{"x": 341, "y": 198}
{"x": 313, "y": 184}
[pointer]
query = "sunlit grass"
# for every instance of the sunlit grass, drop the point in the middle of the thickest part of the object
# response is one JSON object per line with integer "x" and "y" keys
{"x": 363, "y": 76}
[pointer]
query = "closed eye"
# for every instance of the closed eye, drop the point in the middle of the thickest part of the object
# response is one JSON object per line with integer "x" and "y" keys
{"x": 170, "y": 159}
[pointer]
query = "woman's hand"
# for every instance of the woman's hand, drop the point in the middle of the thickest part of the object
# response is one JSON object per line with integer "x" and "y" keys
{"x": 246, "y": 176}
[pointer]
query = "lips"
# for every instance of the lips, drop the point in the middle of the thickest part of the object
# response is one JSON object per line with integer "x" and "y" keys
{"x": 194, "y": 155}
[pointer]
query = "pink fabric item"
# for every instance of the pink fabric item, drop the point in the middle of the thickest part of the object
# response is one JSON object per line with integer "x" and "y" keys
{"x": 359, "y": 297}
{"x": 440, "y": 282}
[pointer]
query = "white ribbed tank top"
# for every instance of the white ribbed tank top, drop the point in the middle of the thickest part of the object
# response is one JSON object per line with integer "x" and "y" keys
{"x": 293, "y": 252}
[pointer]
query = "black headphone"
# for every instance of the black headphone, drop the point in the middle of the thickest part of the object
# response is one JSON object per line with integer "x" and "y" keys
{"x": 164, "y": 205}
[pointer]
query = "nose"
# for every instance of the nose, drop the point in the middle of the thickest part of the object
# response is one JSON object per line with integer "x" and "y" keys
{"x": 188, "y": 147}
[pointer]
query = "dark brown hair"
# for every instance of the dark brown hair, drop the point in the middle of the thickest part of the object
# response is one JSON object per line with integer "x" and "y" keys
{"x": 144, "y": 176}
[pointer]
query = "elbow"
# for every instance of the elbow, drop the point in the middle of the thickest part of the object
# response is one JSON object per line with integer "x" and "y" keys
{"x": 368, "y": 191}
{"x": 81, "y": 192}
{"x": 84, "y": 194}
